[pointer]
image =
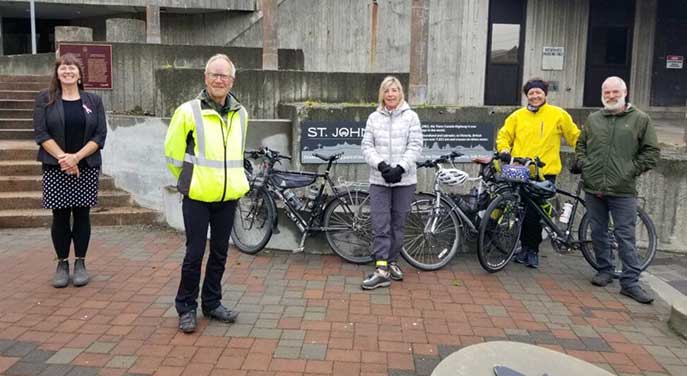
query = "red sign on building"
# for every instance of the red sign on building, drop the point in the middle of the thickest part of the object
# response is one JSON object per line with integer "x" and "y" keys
{"x": 96, "y": 62}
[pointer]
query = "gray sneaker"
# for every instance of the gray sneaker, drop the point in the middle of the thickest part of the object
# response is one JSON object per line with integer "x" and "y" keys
{"x": 395, "y": 271}
{"x": 602, "y": 279}
{"x": 80, "y": 275}
{"x": 380, "y": 278}
{"x": 638, "y": 294}
{"x": 61, "y": 278}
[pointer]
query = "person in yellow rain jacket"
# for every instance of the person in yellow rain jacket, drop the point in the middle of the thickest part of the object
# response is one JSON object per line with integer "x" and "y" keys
{"x": 535, "y": 131}
{"x": 204, "y": 150}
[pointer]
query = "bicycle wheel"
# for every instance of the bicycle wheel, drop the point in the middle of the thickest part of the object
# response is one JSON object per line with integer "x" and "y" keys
{"x": 499, "y": 232}
{"x": 253, "y": 219}
{"x": 645, "y": 239}
{"x": 431, "y": 236}
{"x": 348, "y": 228}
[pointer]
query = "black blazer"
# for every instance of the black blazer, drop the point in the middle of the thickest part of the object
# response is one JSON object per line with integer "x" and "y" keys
{"x": 48, "y": 123}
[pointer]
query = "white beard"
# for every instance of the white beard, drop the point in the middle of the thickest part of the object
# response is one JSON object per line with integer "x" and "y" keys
{"x": 617, "y": 106}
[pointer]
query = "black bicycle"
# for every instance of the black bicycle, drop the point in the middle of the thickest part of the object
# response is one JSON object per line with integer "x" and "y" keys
{"x": 343, "y": 214}
{"x": 500, "y": 230}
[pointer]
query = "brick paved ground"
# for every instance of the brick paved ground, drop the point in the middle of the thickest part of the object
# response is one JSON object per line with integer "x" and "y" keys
{"x": 305, "y": 314}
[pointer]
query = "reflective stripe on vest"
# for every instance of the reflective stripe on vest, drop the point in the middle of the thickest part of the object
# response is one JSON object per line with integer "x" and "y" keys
{"x": 200, "y": 139}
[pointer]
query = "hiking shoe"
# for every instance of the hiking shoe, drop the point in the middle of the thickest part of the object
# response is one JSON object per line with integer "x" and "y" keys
{"x": 221, "y": 313}
{"x": 80, "y": 275}
{"x": 520, "y": 256}
{"x": 395, "y": 271}
{"x": 380, "y": 278}
{"x": 638, "y": 294}
{"x": 602, "y": 279}
{"x": 61, "y": 278}
{"x": 532, "y": 260}
{"x": 188, "y": 322}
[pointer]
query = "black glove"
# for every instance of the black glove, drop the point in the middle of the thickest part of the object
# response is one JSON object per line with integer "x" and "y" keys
{"x": 504, "y": 156}
{"x": 576, "y": 167}
{"x": 393, "y": 175}
{"x": 383, "y": 166}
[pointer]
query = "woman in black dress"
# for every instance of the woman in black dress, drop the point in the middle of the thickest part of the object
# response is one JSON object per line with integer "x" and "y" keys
{"x": 70, "y": 128}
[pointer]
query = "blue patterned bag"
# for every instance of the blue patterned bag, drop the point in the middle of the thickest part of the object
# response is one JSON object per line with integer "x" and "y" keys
{"x": 515, "y": 173}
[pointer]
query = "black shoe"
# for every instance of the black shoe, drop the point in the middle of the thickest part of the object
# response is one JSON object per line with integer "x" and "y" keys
{"x": 380, "y": 278}
{"x": 637, "y": 293}
{"x": 395, "y": 271}
{"x": 532, "y": 259}
{"x": 221, "y": 313}
{"x": 61, "y": 278}
{"x": 188, "y": 322}
{"x": 80, "y": 275}
{"x": 602, "y": 279}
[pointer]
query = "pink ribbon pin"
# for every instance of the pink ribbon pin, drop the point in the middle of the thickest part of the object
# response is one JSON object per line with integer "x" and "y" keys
{"x": 88, "y": 110}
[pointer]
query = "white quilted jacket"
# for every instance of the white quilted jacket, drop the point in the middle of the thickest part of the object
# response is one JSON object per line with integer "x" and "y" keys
{"x": 394, "y": 137}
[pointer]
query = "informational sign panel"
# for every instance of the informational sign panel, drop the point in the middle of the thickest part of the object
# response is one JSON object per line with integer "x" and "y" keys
{"x": 96, "y": 61}
{"x": 552, "y": 58}
{"x": 674, "y": 61}
{"x": 330, "y": 137}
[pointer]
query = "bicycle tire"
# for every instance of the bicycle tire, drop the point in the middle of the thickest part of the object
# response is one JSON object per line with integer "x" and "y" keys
{"x": 430, "y": 251}
{"x": 505, "y": 213}
{"x": 645, "y": 242}
{"x": 253, "y": 219}
{"x": 348, "y": 227}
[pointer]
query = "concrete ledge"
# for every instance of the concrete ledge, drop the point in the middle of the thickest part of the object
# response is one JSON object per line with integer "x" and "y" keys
{"x": 480, "y": 360}
{"x": 678, "y": 317}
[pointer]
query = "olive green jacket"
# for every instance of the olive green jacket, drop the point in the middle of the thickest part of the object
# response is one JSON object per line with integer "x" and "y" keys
{"x": 614, "y": 149}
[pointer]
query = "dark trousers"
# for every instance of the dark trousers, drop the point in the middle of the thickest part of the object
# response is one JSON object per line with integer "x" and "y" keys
{"x": 530, "y": 234}
{"x": 623, "y": 210}
{"x": 197, "y": 216}
{"x": 389, "y": 208}
{"x": 63, "y": 231}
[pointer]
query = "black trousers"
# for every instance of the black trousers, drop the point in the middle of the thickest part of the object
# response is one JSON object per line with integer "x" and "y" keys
{"x": 197, "y": 216}
{"x": 63, "y": 231}
{"x": 530, "y": 235}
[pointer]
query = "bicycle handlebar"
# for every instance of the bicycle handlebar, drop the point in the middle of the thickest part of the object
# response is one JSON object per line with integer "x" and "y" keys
{"x": 270, "y": 154}
{"x": 442, "y": 159}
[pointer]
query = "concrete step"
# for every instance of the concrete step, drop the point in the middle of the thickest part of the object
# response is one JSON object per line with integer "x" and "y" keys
{"x": 16, "y": 104}
{"x": 24, "y": 168}
{"x": 16, "y": 113}
{"x": 15, "y": 150}
{"x": 18, "y": 94}
{"x": 22, "y": 78}
{"x": 34, "y": 199}
{"x": 25, "y": 85}
{"x": 16, "y": 134}
{"x": 13, "y": 183}
{"x": 100, "y": 216}
{"x": 16, "y": 123}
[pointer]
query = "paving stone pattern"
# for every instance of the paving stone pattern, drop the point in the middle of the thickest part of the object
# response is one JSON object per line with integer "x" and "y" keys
{"x": 306, "y": 314}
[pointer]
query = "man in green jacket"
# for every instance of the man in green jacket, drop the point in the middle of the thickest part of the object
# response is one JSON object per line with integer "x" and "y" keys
{"x": 617, "y": 144}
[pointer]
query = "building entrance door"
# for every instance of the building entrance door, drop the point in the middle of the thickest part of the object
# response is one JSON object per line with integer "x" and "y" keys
{"x": 609, "y": 45}
{"x": 669, "y": 80}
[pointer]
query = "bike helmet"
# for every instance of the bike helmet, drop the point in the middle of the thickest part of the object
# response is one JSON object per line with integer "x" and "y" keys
{"x": 452, "y": 176}
{"x": 541, "y": 189}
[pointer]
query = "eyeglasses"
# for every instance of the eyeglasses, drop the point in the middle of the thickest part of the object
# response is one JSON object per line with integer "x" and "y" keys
{"x": 215, "y": 76}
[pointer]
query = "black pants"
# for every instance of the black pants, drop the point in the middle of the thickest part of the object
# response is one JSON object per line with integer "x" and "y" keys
{"x": 530, "y": 235}
{"x": 63, "y": 231}
{"x": 197, "y": 216}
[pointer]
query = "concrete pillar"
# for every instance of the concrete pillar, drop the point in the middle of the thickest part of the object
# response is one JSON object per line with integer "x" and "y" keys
{"x": 270, "y": 34}
{"x": 643, "y": 53}
{"x": 153, "y": 24}
{"x": 419, "y": 41}
{"x": 1, "y": 48}
{"x": 72, "y": 34}
{"x": 126, "y": 30}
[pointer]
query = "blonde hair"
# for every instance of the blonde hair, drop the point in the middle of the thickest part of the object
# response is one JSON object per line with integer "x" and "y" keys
{"x": 386, "y": 84}
{"x": 232, "y": 69}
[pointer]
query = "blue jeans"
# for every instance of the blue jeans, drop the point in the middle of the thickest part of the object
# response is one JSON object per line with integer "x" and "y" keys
{"x": 623, "y": 210}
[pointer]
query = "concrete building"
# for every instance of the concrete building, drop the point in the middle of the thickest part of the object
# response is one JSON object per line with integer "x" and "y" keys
{"x": 479, "y": 51}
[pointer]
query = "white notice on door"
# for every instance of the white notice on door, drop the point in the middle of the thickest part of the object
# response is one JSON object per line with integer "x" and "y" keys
{"x": 552, "y": 58}
{"x": 674, "y": 61}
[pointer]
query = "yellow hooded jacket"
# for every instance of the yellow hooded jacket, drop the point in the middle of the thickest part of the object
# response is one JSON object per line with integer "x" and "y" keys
{"x": 528, "y": 134}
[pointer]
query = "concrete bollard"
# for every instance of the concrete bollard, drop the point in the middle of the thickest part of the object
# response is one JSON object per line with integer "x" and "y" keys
{"x": 678, "y": 317}
{"x": 72, "y": 34}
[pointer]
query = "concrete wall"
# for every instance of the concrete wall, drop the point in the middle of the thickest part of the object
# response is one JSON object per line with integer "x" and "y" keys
{"x": 245, "y": 5}
{"x": 262, "y": 91}
{"x": 558, "y": 23}
{"x": 643, "y": 53}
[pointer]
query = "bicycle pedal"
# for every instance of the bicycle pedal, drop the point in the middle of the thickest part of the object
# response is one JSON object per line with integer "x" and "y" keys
{"x": 298, "y": 250}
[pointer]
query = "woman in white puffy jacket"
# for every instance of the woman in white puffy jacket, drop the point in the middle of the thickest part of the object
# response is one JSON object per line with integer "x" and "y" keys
{"x": 391, "y": 145}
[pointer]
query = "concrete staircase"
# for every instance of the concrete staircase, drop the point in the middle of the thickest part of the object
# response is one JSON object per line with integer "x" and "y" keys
{"x": 20, "y": 174}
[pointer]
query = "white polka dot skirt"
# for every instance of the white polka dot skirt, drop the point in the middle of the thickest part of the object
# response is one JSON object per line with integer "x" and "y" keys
{"x": 66, "y": 191}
